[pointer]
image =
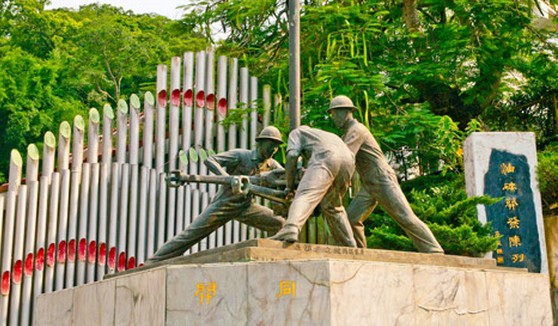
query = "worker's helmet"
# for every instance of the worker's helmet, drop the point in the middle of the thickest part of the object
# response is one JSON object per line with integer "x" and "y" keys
{"x": 341, "y": 102}
{"x": 270, "y": 132}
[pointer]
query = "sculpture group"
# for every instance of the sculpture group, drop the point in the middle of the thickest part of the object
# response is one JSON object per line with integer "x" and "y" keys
{"x": 330, "y": 164}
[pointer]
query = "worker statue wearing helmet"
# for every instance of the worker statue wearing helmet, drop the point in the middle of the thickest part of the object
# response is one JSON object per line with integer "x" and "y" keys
{"x": 379, "y": 182}
{"x": 227, "y": 205}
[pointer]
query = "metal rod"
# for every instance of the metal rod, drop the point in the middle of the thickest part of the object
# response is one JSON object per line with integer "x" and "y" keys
{"x": 123, "y": 216}
{"x": 65, "y": 132}
{"x": 103, "y": 220}
{"x": 253, "y": 111}
{"x": 73, "y": 227}
{"x": 244, "y": 80}
{"x": 52, "y": 229}
{"x": 108, "y": 117}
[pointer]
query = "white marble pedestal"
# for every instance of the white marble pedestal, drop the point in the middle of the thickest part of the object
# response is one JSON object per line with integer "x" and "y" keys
{"x": 367, "y": 287}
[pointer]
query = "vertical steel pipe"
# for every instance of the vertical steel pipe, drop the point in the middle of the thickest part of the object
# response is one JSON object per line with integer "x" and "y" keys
{"x": 93, "y": 136}
{"x": 148, "y": 115}
{"x": 82, "y": 224}
{"x": 121, "y": 131}
{"x": 133, "y": 145}
{"x": 221, "y": 102}
{"x": 160, "y": 131}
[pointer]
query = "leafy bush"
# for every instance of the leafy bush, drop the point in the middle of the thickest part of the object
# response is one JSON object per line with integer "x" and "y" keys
{"x": 547, "y": 173}
{"x": 442, "y": 203}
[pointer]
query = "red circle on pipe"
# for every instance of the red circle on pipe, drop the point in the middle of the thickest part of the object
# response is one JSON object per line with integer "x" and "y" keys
{"x": 72, "y": 250}
{"x": 175, "y": 97}
{"x": 29, "y": 264}
{"x": 102, "y": 254}
{"x": 200, "y": 99}
{"x": 62, "y": 251}
{"x": 40, "y": 259}
{"x": 188, "y": 97}
{"x": 210, "y": 102}
{"x": 5, "y": 283}
{"x": 122, "y": 261}
{"x": 222, "y": 106}
{"x": 112, "y": 258}
{"x": 51, "y": 251}
{"x": 92, "y": 252}
{"x": 162, "y": 98}
{"x": 18, "y": 271}
{"x": 82, "y": 249}
{"x": 131, "y": 263}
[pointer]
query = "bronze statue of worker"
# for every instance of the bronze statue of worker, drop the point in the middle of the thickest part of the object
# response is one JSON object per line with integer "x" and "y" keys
{"x": 379, "y": 182}
{"x": 227, "y": 205}
{"x": 330, "y": 166}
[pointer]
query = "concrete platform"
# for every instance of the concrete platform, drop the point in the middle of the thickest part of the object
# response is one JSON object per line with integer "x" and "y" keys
{"x": 264, "y": 282}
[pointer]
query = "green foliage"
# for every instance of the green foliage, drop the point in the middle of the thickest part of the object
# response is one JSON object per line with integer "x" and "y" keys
{"x": 441, "y": 202}
{"x": 547, "y": 175}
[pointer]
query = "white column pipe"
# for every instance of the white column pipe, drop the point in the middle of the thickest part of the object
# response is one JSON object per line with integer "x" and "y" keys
{"x": 132, "y": 235}
{"x": 152, "y": 212}
{"x": 233, "y": 99}
{"x": 266, "y": 105}
{"x": 103, "y": 220}
{"x": 73, "y": 227}
{"x": 196, "y": 210}
{"x": 82, "y": 224}
{"x": 244, "y": 105}
{"x": 133, "y": 145}
{"x": 93, "y": 222}
{"x": 77, "y": 143}
{"x": 142, "y": 215}
{"x": 93, "y": 136}
{"x": 161, "y": 216}
{"x": 16, "y": 163}
{"x": 49, "y": 152}
{"x": 187, "y": 103}
{"x": 148, "y": 115}
{"x": 19, "y": 238}
{"x": 253, "y": 111}
{"x": 199, "y": 113}
{"x": 52, "y": 231}
{"x": 174, "y": 119}
{"x": 40, "y": 242}
{"x": 65, "y": 132}
{"x": 108, "y": 117}
{"x": 209, "y": 115}
{"x": 121, "y": 131}
{"x": 32, "y": 167}
{"x": 62, "y": 229}
{"x": 29, "y": 251}
{"x": 160, "y": 119}
{"x": 221, "y": 101}
{"x": 113, "y": 217}
{"x": 123, "y": 216}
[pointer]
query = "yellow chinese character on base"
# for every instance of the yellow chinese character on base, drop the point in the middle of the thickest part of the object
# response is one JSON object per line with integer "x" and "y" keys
{"x": 497, "y": 234}
{"x": 500, "y": 260}
{"x": 513, "y": 222}
{"x": 507, "y": 168}
{"x": 518, "y": 258}
{"x": 509, "y": 186}
{"x": 499, "y": 251}
{"x": 511, "y": 203}
{"x": 286, "y": 288}
{"x": 514, "y": 241}
{"x": 206, "y": 291}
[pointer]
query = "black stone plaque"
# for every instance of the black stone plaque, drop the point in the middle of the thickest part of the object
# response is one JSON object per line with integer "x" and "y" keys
{"x": 514, "y": 217}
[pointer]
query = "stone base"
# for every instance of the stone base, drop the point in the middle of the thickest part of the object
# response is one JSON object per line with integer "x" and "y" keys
{"x": 263, "y": 282}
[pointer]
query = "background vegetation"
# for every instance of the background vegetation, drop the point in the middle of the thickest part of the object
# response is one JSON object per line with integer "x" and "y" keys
{"x": 424, "y": 74}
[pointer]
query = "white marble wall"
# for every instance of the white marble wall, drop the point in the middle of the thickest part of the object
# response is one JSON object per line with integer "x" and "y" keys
{"x": 313, "y": 292}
